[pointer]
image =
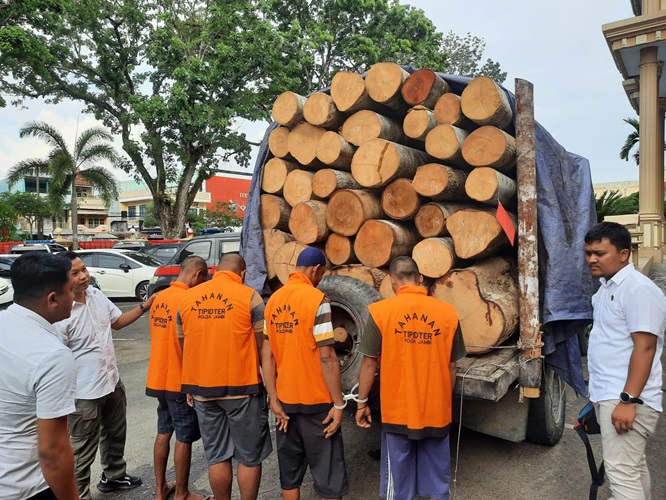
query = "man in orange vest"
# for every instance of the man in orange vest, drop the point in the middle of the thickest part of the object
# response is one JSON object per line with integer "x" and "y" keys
{"x": 164, "y": 383}
{"x": 419, "y": 340}
{"x": 302, "y": 376}
{"x": 221, "y": 322}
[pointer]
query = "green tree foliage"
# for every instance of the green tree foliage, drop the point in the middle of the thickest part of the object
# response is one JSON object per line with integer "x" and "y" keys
{"x": 223, "y": 214}
{"x": 464, "y": 56}
{"x": 29, "y": 206}
{"x": 8, "y": 218}
{"x": 150, "y": 219}
{"x": 631, "y": 141}
{"x": 611, "y": 203}
{"x": 64, "y": 166}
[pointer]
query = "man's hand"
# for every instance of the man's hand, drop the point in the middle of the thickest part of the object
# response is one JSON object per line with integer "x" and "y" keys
{"x": 623, "y": 417}
{"x": 190, "y": 400}
{"x": 363, "y": 417}
{"x": 149, "y": 301}
{"x": 281, "y": 418}
{"x": 335, "y": 418}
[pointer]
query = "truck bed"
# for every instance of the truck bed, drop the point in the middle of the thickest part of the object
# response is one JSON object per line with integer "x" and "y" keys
{"x": 488, "y": 376}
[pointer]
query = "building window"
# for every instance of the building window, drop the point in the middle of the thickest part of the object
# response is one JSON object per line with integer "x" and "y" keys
{"x": 131, "y": 211}
{"x": 31, "y": 185}
{"x": 142, "y": 210}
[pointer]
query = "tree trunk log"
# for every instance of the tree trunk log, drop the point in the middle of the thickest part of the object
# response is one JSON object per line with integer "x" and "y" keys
{"x": 340, "y": 250}
{"x": 348, "y": 209}
{"x": 448, "y": 111}
{"x": 349, "y": 93}
{"x": 440, "y": 182}
{"x": 384, "y": 81}
{"x": 326, "y": 181}
{"x": 378, "y": 162}
{"x": 333, "y": 150}
{"x": 303, "y": 141}
{"x": 490, "y": 147}
{"x": 486, "y": 298}
{"x": 418, "y": 122}
{"x": 399, "y": 200}
{"x": 275, "y": 212}
{"x": 288, "y": 109}
{"x": 277, "y": 143}
{"x": 445, "y": 142}
{"x": 275, "y": 173}
{"x": 273, "y": 240}
{"x": 378, "y": 242}
{"x": 298, "y": 187}
{"x": 424, "y": 87}
{"x": 434, "y": 256}
{"x": 485, "y": 103}
{"x": 476, "y": 233}
{"x": 489, "y": 186}
{"x": 285, "y": 257}
{"x": 308, "y": 222}
{"x": 320, "y": 111}
{"x": 430, "y": 220}
{"x": 385, "y": 289}
{"x": 370, "y": 275}
{"x": 366, "y": 125}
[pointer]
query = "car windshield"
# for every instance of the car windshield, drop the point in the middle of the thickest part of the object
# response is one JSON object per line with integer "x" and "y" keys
{"x": 146, "y": 260}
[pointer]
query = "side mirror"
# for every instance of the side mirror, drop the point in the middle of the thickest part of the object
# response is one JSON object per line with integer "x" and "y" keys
{"x": 125, "y": 267}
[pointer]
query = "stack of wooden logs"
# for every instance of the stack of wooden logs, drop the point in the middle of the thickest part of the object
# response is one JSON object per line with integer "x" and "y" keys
{"x": 396, "y": 164}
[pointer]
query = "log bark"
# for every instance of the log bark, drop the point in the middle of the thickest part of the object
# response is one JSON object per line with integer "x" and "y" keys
{"x": 366, "y": 125}
{"x": 288, "y": 109}
{"x": 445, "y": 142}
{"x": 273, "y": 240}
{"x": 327, "y": 181}
{"x": 378, "y": 242}
{"x": 275, "y": 173}
{"x": 320, "y": 110}
{"x": 440, "y": 182}
{"x": 308, "y": 222}
{"x": 348, "y": 209}
{"x": 486, "y": 298}
{"x": 384, "y": 81}
{"x": 399, "y": 200}
{"x": 449, "y": 112}
{"x": 430, "y": 220}
{"x": 418, "y": 122}
{"x": 277, "y": 143}
{"x": 485, "y": 103}
{"x": 302, "y": 142}
{"x": 284, "y": 259}
{"x": 275, "y": 212}
{"x": 370, "y": 275}
{"x": 424, "y": 87}
{"x": 340, "y": 250}
{"x": 476, "y": 233}
{"x": 489, "y": 186}
{"x": 298, "y": 187}
{"x": 333, "y": 150}
{"x": 349, "y": 93}
{"x": 378, "y": 162}
{"x": 434, "y": 256}
{"x": 489, "y": 146}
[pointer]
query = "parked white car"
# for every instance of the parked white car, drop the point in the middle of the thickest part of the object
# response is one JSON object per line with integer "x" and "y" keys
{"x": 6, "y": 293}
{"x": 120, "y": 274}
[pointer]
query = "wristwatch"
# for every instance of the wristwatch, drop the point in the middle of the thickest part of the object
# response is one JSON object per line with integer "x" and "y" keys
{"x": 143, "y": 309}
{"x": 627, "y": 398}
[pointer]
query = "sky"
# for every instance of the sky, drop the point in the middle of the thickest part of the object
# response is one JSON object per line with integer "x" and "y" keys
{"x": 556, "y": 45}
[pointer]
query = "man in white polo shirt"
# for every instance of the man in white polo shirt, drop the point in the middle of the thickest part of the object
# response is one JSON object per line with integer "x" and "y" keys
{"x": 624, "y": 356}
{"x": 100, "y": 416}
{"x": 37, "y": 383}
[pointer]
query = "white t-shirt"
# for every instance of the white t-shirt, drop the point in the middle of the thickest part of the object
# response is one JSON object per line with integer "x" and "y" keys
{"x": 87, "y": 333}
{"x": 37, "y": 381}
{"x": 628, "y": 302}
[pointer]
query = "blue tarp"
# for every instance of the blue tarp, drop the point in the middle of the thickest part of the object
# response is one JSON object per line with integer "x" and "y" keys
{"x": 566, "y": 210}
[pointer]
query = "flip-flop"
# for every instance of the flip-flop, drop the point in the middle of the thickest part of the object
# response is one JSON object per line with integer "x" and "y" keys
{"x": 171, "y": 490}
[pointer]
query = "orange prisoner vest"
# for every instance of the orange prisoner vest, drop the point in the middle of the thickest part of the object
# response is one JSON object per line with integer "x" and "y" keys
{"x": 290, "y": 316}
{"x": 220, "y": 355}
{"x": 164, "y": 367}
{"x": 417, "y": 338}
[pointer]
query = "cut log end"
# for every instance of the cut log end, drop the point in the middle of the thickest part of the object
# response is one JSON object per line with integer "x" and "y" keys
{"x": 284, "y": 259}
{"x": 378, "y": 242}
{"x": 434, "y": 256}
{"x": 489, "y": 146}
{"x": 277, "y": 142}
{"x": 288, "y": 109}
{"x": 484, "y": 102}
{"x": 384, "y": 81}
{"x": 348, "y": 91}
{"x": 308, "y": 222}
{"x": 399, "y": 200}
{"x": 348, "y": 209}
{"x": 477, "y": 233}
{"x": 275, "y": 212}
{"x": 303, "y": 141}
{"x": 425, "y": 87}
{"x": 340, "y": 250}
{"x": 298, "y": 187}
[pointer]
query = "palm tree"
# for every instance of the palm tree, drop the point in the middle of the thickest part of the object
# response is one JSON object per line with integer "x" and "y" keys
{"x": 632, "y": 140}
{"x": 64, "y": 166}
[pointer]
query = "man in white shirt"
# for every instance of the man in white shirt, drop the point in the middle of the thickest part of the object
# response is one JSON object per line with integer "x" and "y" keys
{"x": 37, "y": 383}
{"x": 624, "y": 355}
{"x": 100, "y": 416}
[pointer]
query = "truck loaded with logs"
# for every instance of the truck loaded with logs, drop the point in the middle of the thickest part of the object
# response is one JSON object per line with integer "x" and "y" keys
{"x": 456, "y": 173}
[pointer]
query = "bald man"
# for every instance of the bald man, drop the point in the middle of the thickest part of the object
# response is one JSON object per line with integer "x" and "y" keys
{"x": 164, "y": 383}
{"x": 221, "y": 323}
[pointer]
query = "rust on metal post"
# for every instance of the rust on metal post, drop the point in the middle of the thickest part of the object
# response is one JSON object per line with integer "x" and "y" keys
{"x": 528, "y": 256}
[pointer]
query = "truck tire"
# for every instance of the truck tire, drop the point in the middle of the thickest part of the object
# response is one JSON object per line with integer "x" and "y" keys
{"x": 584, "y": 340}
{"x": 350, "y": 299}
{"x": 545, "y": 422}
